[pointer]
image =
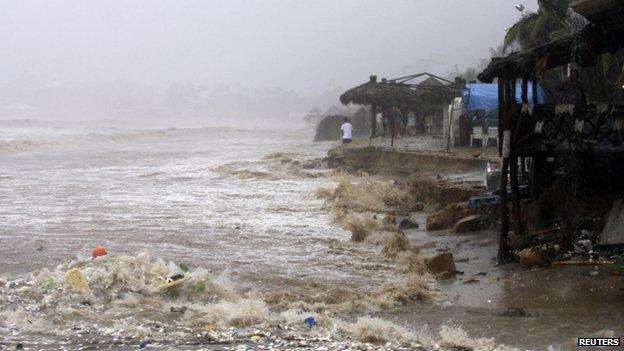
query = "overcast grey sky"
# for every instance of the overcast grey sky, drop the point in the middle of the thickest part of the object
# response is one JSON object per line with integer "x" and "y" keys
{"x": 299, "y": 45}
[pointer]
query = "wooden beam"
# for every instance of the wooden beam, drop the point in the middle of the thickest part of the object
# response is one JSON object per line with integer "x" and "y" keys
{"x": 373, "y": 120}
{"x": 503, "y": 245}
{"x": 514, "y": 113}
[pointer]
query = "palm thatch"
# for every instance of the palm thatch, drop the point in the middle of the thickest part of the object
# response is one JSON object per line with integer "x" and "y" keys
{"x": 381, "y": 94}
{"x": 604, "y": 34}
{"x": 437, "y": 91}
{"x": 401, "y": 92}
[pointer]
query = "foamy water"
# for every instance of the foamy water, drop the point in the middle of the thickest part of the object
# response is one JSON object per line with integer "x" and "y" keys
{"x": 237, "y": 205}
{"x": 204, "y": 197}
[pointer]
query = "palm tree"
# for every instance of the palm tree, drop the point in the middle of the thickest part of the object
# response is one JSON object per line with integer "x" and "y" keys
{"x": 553, "y": 19}
{"x": 536, "y": 28}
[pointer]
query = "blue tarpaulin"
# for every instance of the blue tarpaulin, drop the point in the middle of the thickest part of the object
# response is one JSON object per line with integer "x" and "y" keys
{"x": 479, "y": 96}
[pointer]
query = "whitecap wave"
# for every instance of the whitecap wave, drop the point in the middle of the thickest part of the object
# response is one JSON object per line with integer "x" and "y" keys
{"x": 26, "y": 144}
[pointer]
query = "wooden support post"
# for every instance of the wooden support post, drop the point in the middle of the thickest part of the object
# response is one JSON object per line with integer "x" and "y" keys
{"x": 513, "y": 159}
{"x": 525, "y": 100}
{"x": 393, "y": 125}
{"x": 525, "y": 90}
{"x": 373, "y": 120}
{"x": 503, "y": 246}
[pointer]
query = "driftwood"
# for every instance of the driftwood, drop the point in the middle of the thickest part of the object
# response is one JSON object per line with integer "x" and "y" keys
{"x": 582, "y": 263}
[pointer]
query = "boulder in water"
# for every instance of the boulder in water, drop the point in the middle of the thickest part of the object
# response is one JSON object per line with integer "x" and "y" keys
{"x": 447, "y": 217}
{"x": 329, "y": 127}
{"x": 441, "y": 265}
{"x": 408, "y": 223}
{"x": 467, "y": 224}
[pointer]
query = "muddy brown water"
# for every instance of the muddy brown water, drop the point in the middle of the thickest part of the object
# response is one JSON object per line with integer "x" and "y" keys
{"x": 557, "y": 305}
{"x": 207, "y": 198}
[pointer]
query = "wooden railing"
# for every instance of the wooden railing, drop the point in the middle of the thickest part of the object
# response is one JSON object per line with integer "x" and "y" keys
{"x": 548, "y": 129}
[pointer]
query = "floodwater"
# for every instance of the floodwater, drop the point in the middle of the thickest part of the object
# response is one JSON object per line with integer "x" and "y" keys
{"x": 203, "y": 197}
{"x": 236, "y": 207}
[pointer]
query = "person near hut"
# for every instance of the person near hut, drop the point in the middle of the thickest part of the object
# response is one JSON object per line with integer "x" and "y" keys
{"x": 411, "y": 124}
{"x": 381, "y": 123}
{"x": 397, "y": 117}
{"x": 347, "y": 131}
{"x": 385, "y": 112}
{"x": 403, "y": 124}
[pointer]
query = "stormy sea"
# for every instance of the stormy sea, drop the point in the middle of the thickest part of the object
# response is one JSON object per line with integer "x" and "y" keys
{"x": 216, "y": 239}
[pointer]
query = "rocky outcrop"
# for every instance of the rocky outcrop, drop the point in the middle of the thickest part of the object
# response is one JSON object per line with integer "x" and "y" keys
{"x": 468, "y": 224}
{"x": 441, "y": 265}
{"x": 407, "y": 223}
{"x": 328, "y": 128}
{"x": 447, "y": 217}
{"x": 441, "y": 191}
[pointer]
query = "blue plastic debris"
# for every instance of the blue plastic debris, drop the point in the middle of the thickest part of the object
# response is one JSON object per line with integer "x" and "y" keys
{"x": 310, "y": 321}
{"x": 485, "y": 200}
{"x": 143, "y": 344}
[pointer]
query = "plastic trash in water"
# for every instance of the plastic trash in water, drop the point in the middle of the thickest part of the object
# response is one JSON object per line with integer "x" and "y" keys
{"x": 310, "y": 321}
{"x": 184, "y": 268}
{"x": 98, "y": 252}
{"x": 76, "y": 281}
{"x": 172, "y": 282}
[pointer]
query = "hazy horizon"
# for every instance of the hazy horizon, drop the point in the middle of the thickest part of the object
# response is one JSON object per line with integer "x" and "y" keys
{"x": 203, "y": 60}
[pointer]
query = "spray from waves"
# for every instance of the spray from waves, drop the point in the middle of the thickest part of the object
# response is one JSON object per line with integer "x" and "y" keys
{"x": 122, "y": 299}
{"x": 32, "y": 144}
{"x": 356, "y": 206}
{"x": 275, "y": 166}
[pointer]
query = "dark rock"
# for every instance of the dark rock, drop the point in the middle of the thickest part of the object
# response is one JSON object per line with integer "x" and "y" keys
{"x": 441, "y": 264}
{"x": 467, "y": 224}
{"x": 178, "y": 309}
{"x": 447, "y": 217}
{"x": 408, "y": 223}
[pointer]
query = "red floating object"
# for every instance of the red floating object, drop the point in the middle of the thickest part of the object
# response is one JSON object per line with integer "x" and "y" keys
{"x": 98, "y": 252}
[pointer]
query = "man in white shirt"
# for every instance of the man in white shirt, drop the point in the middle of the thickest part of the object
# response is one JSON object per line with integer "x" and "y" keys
{"x": 347, "y": 131}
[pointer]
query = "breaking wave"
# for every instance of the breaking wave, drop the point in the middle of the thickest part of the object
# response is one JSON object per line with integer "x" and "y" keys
{"x": 124, "y": 299}
{"x": 32, "y": 144}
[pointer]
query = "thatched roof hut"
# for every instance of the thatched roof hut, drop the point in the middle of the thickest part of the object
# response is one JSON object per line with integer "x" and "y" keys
{"x": 402, "y": 93}
{"x": 384, "y": 93}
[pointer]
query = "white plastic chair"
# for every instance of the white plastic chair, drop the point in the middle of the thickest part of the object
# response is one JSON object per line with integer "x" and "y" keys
{"x": 477, "y": 134}
{"x": 491, "y": 134}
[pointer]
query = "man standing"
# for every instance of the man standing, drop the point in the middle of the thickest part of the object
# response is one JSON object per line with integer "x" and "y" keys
{"x": 347, "y": 131}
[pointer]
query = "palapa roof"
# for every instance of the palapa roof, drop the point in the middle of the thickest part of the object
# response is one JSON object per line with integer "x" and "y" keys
{"x": 380, "y": 93}
{"x": 604, "y": 33}
{"x": 401, "y": 92}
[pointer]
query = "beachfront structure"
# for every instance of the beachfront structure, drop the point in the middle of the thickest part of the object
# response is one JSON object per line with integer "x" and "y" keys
{"x": 569, "y": 150}
{"x": 479, "y": 103}
{"x": 426, "y": 98}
